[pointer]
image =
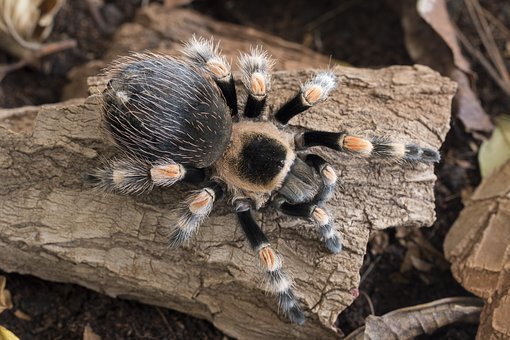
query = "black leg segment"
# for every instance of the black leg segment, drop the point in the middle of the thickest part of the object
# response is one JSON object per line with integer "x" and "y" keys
{"x": 254, "y": 106}
{"x": 228, "y": 88}
{"x": 375, "y": 147}
{"x": 278, "y": 282}
{"x": 328, "y": 176}
{"x": 292, "y": 108}
{"x": 312, "y": 92}
{"x": 321, "y": 219}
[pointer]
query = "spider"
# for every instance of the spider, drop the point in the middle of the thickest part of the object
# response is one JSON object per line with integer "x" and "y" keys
{"x": 177, "y": 119}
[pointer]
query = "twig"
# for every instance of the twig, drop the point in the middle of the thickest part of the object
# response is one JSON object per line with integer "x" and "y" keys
{"x": 329, "y": 15}
{"x": 482, "y": 60}
{"x": 165, "y": 321}
{"x": 369, "y": 269}
{"x": 41, "y": 52}
{"x": 98, "y": 18}
{"x": 485, "y": 33}
{"x": 496, "y": 22}
{"x": 369, "y": 301}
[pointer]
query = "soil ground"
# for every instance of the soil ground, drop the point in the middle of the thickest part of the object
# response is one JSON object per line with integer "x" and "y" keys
{"x": 361, "y": 33}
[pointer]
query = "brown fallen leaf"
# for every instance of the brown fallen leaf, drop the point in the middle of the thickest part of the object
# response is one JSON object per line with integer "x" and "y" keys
{"x": 5, "y": 295}
{"x": 89, "y": 334}
{"x": 25, "y": 24}
{"x": 431, "y": 40}
{"x": 420, "y": 253}
{"x": 407, "y": 323}
{"x": 22, "y": 315}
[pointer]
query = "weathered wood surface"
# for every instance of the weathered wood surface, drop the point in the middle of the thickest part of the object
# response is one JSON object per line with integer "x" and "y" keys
{"x": 54, "y": 226}
{"x": 478, "y": 246}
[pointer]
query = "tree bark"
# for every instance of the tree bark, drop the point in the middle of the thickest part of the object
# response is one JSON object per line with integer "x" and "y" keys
{"x": 54, "y": 226}
{"x": 478, "y": 247}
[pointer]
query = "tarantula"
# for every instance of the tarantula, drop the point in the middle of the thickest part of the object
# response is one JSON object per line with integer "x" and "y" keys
{"x": 177, "y": 119}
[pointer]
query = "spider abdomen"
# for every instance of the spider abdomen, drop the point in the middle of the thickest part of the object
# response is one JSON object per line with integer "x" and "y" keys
{"x": 164, "y": 108}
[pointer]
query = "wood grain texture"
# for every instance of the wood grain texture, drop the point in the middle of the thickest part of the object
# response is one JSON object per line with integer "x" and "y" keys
{"x": 478, "y": 247}
{"x": 54, "y": 226}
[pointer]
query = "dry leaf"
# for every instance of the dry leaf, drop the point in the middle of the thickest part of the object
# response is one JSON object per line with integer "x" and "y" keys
{"x": 5, "y": 295}
{"x": 407, "y": 323}
{"x": 431, "y": 40}
{"x": 496, "y": 151}
{"x": 89, "y": 334}
{"x": 6, "y": 334}
{"x": 24, "y": 24}
{"x": 420, "y": 253}
{"x": 22, "y": 315}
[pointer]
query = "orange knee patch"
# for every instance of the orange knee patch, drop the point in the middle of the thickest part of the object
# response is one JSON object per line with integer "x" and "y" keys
{"x": 218, "y": 68}
{"x": 329, "y": 174}
{"x": 313, "y": 94}
{"x": 202, "y": 200}
{"x": 357, "y": 144}
{"x": 321, "y": 216}
{"x": 268, "y": 257}
{"x": 258, "y": 84}
{"x": 170, "y": 170}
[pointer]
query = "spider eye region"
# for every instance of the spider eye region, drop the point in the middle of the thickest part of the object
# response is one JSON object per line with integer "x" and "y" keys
{"x": 261, "y": 159}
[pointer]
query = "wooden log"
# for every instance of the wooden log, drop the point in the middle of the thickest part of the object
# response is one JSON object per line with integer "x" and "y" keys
{"x": 54, "y": 226}
{"x": 478, "y": 247}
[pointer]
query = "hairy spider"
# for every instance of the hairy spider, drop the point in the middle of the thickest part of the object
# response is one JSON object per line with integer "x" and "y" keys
{"x": 176, "y": 119}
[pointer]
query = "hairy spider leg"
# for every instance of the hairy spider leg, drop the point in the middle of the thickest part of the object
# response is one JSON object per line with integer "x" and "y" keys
{"x": 278, "y": 282}
{"x": 194, "y": 211}
{"x": 321, "y": 218}
{"x": 206, "y": 54}
{"x": 256, "y": 76}
{"x": 328, "y": 175}
{"x": 376, "y": 147}
{"x": 130, "y": 175}
{"x": 312, "y": 92}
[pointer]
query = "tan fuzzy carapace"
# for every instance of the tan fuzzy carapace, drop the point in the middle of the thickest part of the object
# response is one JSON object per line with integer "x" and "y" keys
{"x": 24, "y": 24}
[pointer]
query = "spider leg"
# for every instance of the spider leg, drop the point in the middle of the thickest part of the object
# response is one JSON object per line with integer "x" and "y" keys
{"x": 256, "y": 67}
{"x": 328, "y": 175}
{"x": 278, "y": 282}
{"x": 376, "y": 147}
{"x": 195, "y": 210}
{"x": 332, "y": 238}
{"x": 207, "y": 55}
{"x": 129, "y": 175}
{"x": 312, "y": 92}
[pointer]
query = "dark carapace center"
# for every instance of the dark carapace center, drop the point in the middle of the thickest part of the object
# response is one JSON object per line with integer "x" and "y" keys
{"x": 261, "y": 159}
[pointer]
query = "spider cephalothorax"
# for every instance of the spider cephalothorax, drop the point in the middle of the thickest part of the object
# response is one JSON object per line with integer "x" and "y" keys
{"x": 178, "y": 120}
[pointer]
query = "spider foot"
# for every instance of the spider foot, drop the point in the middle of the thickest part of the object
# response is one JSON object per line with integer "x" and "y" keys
{"x": 279, "y": 283}
{"x": 207, "y": 55}
{"x": 331, "y": 238}
{"x": 256, "y": 67}
{"x": 193, "y": 212}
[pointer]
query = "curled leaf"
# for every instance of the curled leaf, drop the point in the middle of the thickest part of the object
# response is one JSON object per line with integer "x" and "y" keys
{"x": 430, "y": 39}
{"x": 89, "y": 334}
{"x": 5, "y": 296}
{"x": 496, "y": 151}
{"x": 24, "y": 24}
{"x": 407, "y": 323}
